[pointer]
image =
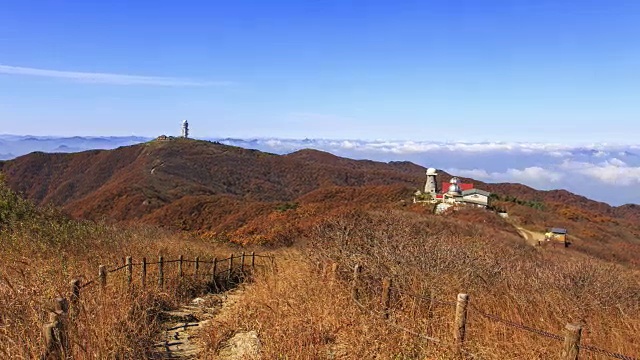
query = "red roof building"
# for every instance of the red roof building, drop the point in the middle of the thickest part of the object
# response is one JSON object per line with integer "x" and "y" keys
{"x": 463, "y": 186}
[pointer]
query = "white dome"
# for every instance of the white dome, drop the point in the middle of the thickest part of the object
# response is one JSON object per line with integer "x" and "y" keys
{"x": 454, "y": 180}
{"x": 184, "y": 122}
{"x": 454, "y": 189}
{"x": 432, "y": 171}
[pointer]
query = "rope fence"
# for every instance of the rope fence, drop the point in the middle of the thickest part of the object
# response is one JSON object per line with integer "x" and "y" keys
{"x": 220, "y": 274}
{"x": 215, "y": 270}
{"x": 571, "y": 338}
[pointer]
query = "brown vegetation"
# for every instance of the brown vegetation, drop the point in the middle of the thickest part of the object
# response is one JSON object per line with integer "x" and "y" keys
{"x": 325, "y": 209}
{"x": 42, "y": 251}
{"x": 300, "y": 313}
{"x": 230, "y": 193}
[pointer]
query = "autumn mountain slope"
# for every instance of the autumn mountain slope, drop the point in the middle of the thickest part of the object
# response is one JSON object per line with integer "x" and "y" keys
{"x": 251, "y": 196}
{"x": 133, "y": 182}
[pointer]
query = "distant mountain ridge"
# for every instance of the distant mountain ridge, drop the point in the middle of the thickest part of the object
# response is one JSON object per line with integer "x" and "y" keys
{"x": 231, "y": 191}
{"x": 186, "y": 167}
{"x": 133, "y": 181}
{"x": 581, "y": 169}
{"x": 17, "y": 145}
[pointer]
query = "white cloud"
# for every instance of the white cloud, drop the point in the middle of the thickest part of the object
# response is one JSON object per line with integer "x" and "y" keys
{"x": 402, "y": 147}
{"x": 534, "y": 174}
{"x": 107, "y": 78}
{"x": 528, "y": 175}
{"x": 617, "y": 162}
{"x": 478, "y": 174}
{"x": 612, "y": 171}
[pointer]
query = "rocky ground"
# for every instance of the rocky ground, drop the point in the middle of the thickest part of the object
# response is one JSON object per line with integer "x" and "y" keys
{"x": 184, "y": 326}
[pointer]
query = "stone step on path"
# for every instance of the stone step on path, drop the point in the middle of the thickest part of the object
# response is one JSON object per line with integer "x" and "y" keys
{"x": 181, "y": 339}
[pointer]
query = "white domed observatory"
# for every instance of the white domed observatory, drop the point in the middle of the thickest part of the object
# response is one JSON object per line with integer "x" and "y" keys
{"x": 454, "y": 188}
{"x": 453, "y": 193}
{"x": 431, "y": 186}
{"x": 185, "y": 129}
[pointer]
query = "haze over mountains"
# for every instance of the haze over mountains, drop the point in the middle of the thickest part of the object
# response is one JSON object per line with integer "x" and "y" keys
{"x": 608, "y": 173}
{"x": 246, "y": 195}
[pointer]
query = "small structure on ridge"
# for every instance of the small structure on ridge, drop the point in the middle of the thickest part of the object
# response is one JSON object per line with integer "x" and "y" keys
{"x": 557, "y": 235}
{"x": 185, "y": 129}
{"x": 452, "y": 193}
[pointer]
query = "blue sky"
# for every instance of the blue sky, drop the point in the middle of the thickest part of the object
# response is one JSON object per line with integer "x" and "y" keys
{"x": 557, "y": 71}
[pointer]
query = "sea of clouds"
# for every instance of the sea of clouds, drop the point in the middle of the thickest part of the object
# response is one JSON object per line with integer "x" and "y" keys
{"x": 604, "y": 172}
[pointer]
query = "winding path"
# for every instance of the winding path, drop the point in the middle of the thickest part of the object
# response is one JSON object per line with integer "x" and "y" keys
{"x": 531, "y": 237}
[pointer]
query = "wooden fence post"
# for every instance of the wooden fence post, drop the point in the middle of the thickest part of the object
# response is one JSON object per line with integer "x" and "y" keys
{"x": 102, "y": 274}
{"x": 55, "y": 332}
{"x": 354, "y": 284}
{"x": 230, "y": 267}
{"x": 129, "y": 270}
{"x": 196, "y": 268}
{"x": 432, "y": 303}
{"x": 180, "y": 259}
{"x": 160, "y": 272}
{"x": 242, "y": 263}
{"x": 460, "y": 323}
{"x": 386, "y": 297}
{"x": 214, "y": 270}
{"x": 143, "y": 275}
{"x": 50, "y": 340}
{"x": 62, "y": 309}
{"x": 334, "y": 272}
{"x": 253, "y": 259}
{"x": 74, "y": 299}
{"x": 572, "y": 334}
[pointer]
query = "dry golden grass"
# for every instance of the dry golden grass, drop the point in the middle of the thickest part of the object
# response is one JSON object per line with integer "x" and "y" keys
{"x": 300, "y": 314}
{"x": 117, "y": 323}
{"x": 300, "y": 311}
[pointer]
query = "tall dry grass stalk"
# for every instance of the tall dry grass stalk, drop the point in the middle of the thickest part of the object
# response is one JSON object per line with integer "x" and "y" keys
{"x": 299, "y": 313}
{"x": 119, "y": 322}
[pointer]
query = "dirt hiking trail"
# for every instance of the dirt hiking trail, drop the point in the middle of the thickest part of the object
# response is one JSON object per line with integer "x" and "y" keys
{"x": 184, "y": 327}
{"x": 531, "y": 237}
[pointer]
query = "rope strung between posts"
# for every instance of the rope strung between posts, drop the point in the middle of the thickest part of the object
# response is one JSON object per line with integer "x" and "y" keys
{"x": 96, "y": 279}
{"x": 529, "y": 328}
{"x": 606, "y": 352}
{"x": 172, "y": 261}
{"x": 408, "y": 331}
{"x": 518, "y": 325}
{"x": 89, "y": 283}
{"x": 495, "y": 318}
{"x": 263, "y": 256}
{"x": 118, "y": 268}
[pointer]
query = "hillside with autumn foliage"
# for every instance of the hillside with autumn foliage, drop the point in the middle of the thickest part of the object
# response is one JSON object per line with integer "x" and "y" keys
{"x": 312, "y": 211}
{"x": 229, "y": 193}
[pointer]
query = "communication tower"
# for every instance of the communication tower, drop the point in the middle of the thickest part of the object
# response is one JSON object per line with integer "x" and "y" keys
{"x": 185, "y": 129}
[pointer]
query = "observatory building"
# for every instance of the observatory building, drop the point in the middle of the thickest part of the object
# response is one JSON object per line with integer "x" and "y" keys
{"x": 185, "y": 129}
{"x": 451, "y": 193}
{"x": 431, "y": 186}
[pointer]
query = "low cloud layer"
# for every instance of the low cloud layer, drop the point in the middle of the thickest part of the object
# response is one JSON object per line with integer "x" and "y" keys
{"x": 604, "y": 172}
{"x": 529, "y": 175}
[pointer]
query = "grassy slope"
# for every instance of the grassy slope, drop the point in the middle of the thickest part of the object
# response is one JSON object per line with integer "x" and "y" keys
{"x": 301, "y": 314}
{"x": 43, "y": 250}
{"x": 596, "y": 280}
